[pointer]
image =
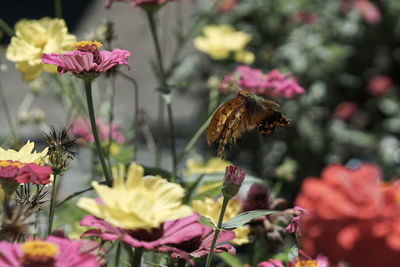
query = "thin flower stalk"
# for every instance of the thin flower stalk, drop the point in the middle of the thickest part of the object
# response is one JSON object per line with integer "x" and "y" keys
{"x": 136, "y": 112}
{"x": 217, "y": 230}
{"x": 137, "y": 257}
{"x": 165, "y": 90}
{"x": 88, "y": 91}
{"x": 52, "y": 204}
{"x": 8, "y": 116}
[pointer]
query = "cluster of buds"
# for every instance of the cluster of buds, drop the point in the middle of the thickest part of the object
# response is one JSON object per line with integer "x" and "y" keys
{"x": 59, "y": 150}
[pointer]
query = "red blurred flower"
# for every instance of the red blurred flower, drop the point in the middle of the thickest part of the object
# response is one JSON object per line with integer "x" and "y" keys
{"x": 305, "y": 17}
{"x": 379, "y": 85}
{"x": 352, "y": 216}
{"x": 345, "y": 110}
{"x": 225, "y": 6}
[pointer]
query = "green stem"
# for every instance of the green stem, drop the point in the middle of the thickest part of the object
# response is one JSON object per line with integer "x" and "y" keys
{"x": 117, "y": 255}
{"x": 88, "y": 91}
{"x": 136, "y": 113}
{"x": 164, "y": 89}
{"x": 58, "y": 8}
{"x": 221, "y": 217}
{"x": 111, "y": 115}
{"x": 8, "y": 116}
{"x": 137, "y": 257}
{"x": 52, "y": 205}
{"x": 197, "y": 135}
{"x": 5, "y": 28}
{"x": 160, "y": 132}
{"x": 36, "y": 231}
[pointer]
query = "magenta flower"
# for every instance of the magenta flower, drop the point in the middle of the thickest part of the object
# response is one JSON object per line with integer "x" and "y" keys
{"x": 171, "y": 232}
{"x": 379, "y": 85}
{"x": 271, "y": 263}
{"x": 273, "y": 84}
{"x": 87, "y": 59}
{"x": 293, "y": 227}
{"x": 199, "y": 246}
{"x": 54, "y": 251}
{"x": 233, "y": 179}
{"x": 257, "y": 198}
{"x": 139, "y": 2}
{"x": 80, "y": 128}
{"x": 24, "y": 172}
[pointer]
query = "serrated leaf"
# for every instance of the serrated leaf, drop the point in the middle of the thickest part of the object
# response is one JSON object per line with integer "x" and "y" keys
{"x": 231, "y": 260}
{"x": 244, "y": 217}
{"x": 207, "y": 221}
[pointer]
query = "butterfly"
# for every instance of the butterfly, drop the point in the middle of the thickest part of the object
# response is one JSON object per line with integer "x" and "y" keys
{"x": 243, "y": 113}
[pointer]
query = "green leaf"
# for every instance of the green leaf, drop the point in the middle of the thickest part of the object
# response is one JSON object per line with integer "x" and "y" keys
{"x": 244, "y": 217}
{"x": 155, "y": 264}
{"x": 231, "y": 260}
{"x": 192, "y": 189}
{"x": 207, "y": 221}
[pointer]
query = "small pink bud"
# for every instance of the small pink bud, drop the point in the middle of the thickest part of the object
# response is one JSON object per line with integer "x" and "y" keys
{"x": 233, "y": 179}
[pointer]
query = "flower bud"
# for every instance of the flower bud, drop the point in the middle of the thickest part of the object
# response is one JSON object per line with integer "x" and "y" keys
{"x": 232, "y": 181}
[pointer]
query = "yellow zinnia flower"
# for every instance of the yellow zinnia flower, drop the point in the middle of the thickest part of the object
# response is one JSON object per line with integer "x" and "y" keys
{"x": 220, "y": 42}
{"x": 211, "y": 209}
{"x": 24, "y": 155}
{"x": 137, "y": 203}
{"x": 213, "y": 165}
{"x": 32, "y": 39}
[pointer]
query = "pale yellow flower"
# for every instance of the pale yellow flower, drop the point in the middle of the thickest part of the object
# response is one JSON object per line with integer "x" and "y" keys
{"x": 25, "y": 154}
{"x": 245, "y": 57}
{"x": 32, "y": 39}
{"x": 137, "y": 203}
{"x": 222, "y": 41}
{"x": 210, "y": 208}
{"x": 213, "y": 165}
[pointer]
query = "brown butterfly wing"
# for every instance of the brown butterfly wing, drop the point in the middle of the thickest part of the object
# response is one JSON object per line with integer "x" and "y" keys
{"x": 275, "y": 120}
{"x": 217, "y": 123}
{"x": 232, "y": 131}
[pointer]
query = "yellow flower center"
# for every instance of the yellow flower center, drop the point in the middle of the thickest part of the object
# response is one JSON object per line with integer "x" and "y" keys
{"x": 40, "y": 40}
{"x": 88, "y": 46}
{"x": 7, "y": 163}
{"x": 39, "y": 248}
{"x": 300, "y": 263}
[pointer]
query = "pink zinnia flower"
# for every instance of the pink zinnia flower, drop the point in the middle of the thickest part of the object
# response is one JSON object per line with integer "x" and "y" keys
{"x": 87, "y": 59}
{"x": 24, "y": 172}
{"x": 171, "y": 232}
{"x": 345, "y": 110}
{"x": 199, "y": 246}
{"x": 139, "y": 2}
{"x": 271, "y": 263}
{"x": 80, "y": 128}
{"x": 273, "y": 84}
{"x": 379, "y": 85}
{"x": 54, "y": 251}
